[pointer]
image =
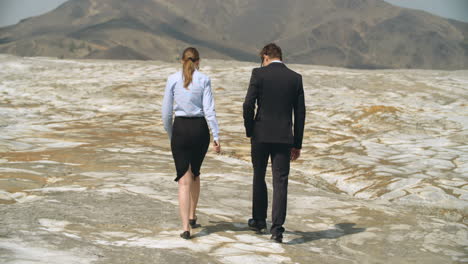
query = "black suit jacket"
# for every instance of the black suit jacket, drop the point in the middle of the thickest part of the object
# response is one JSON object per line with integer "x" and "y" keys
{"x": 279, "y": 94}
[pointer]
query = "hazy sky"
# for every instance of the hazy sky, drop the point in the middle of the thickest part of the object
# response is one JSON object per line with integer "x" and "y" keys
{"x": 456, "y": 9}
{"x": 11, "y": 11}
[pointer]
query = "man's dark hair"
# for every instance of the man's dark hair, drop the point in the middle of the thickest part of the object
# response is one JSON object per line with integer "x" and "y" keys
{"x": 272, "y": 50}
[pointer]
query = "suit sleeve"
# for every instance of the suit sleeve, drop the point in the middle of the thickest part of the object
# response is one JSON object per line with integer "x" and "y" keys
{"x": 299, "y": 115}
{"x": 249, "y": 104}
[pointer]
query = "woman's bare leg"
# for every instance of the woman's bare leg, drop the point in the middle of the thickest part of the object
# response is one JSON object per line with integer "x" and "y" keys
{"x": 194, "y": 194}
{"x": 185, "y": 184}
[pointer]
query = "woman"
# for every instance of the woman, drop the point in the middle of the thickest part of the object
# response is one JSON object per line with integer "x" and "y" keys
{"x": 188, "y": 94}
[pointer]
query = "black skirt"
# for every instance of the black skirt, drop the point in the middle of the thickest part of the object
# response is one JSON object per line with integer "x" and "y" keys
{"x": 189, "y": 144}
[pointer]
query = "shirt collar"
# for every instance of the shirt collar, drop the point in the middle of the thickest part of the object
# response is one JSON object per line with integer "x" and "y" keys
{"x": 278, "y": 61}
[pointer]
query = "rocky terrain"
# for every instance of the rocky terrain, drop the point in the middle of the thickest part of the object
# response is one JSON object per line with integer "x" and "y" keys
{"x": 86, "y": 172}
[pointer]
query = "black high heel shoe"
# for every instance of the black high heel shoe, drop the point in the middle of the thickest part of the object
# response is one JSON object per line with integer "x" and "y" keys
{"x": 193, "y": 223}
{"x": 185, "y": 235}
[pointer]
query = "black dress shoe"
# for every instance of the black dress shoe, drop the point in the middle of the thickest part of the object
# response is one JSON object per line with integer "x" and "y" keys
{"x": 277, "y": 238}
{"x": 257, "y": 225}
{"x": 185, "y": 235}
{"x": 193, "y": 223}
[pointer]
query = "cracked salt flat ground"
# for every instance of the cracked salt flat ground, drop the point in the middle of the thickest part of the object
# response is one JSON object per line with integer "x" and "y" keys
{"x": 394, "y": 139}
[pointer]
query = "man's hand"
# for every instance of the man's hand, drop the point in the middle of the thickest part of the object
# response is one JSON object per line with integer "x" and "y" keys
{"x": 295, "y": 154}
{"x": 216, "y": 146}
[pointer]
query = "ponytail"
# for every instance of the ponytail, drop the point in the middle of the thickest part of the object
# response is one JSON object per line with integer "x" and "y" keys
{"x": 189, "y": 57}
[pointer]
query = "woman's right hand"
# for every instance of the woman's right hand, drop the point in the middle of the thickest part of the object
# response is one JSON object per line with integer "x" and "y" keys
{"x": 216, "y": 146}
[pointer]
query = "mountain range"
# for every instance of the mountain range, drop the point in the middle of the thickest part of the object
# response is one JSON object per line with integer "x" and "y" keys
{"x": 346, "y": 33}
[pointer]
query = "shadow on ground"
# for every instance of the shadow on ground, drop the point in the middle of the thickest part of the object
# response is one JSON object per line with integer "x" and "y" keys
{"x": 221, "y": 226}
{"x": 341, "y": 229}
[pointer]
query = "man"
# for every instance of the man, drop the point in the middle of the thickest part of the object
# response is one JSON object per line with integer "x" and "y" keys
{"x": 278, "y": 93}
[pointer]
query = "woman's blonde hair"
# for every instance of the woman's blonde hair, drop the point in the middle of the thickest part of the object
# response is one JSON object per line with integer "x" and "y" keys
{"x": 189, "y": 57}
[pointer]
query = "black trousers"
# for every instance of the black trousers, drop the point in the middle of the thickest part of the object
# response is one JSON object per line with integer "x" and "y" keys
{"x": 280, "y": 161}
